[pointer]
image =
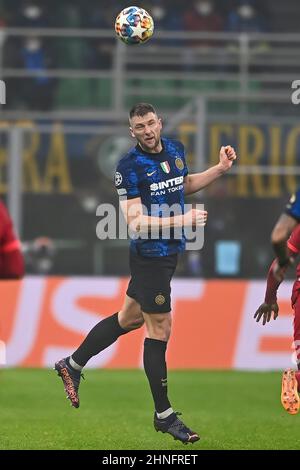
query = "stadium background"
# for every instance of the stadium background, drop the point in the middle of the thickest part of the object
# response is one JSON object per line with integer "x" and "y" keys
{"x": 222, "y": 78}
{"x": 218, "y": 78}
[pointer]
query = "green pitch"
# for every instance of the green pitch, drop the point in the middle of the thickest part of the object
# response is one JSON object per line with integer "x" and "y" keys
{"x": 230, "y": 410}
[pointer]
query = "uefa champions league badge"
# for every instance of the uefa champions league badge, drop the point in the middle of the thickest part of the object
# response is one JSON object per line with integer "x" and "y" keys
{"x": 118, "y": 179}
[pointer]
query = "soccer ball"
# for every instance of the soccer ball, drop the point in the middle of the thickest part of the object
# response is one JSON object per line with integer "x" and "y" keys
{"x": 134, "y": 25}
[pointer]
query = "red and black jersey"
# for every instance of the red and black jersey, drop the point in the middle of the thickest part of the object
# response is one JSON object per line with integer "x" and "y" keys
{"x": 293, "y": 244}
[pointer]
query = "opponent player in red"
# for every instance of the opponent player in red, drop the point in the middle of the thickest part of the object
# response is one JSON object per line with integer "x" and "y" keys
{"x": 11, "y": 258}
{"x": 290, "y": 379}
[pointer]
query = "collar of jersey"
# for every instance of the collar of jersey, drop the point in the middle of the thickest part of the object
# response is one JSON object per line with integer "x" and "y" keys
{"x": 139, "y": 149}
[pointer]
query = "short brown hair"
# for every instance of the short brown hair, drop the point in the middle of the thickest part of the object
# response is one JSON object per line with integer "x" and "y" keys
{"x": 141, "y": 109}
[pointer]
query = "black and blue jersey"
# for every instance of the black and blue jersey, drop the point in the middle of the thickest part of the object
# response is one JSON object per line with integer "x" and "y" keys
{"x": 293, "y": 206}
{"x": 157, "y": 178}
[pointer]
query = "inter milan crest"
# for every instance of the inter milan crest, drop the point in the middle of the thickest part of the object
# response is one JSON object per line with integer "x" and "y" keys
{"x": 179, "y": 163}
{"x": 165, "y": 167}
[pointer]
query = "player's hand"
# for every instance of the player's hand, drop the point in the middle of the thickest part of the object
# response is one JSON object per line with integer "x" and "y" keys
{"x": 265, "y": 310}
{"x": 195, "y": 218}
{"x": 227, "y": 157}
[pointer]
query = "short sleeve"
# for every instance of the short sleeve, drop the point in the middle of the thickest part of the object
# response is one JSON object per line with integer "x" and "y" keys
{"x": 293, "y": 206}
{"x": 126, "y": 182}
{"x": 293, "y": 242}
{"x": 185, "y": 169}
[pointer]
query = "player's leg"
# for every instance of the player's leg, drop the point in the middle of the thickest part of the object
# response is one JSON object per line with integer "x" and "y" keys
{"x": 155, "y": 345}
{"x": 130, "y": 316}
{"x": 150, "y": 285}
{"x": 165, "y": 419}
{"x": 291, "y": 379}
{"x": 105, "y": 333}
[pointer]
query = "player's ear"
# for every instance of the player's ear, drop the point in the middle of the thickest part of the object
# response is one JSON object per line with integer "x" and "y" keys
{"x": 131, "y": 132}
{"x": 160, "y": 122}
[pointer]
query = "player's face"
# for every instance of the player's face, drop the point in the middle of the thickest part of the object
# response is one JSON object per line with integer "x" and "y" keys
{"x": 146, "y": 130}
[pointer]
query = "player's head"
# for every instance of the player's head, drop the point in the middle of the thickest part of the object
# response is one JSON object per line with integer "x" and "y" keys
{"x": 145, "y": 126}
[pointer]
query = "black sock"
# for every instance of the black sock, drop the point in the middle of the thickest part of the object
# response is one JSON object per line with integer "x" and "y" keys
{"x": 156, "y": 371}
{"x": 105, "y": 333}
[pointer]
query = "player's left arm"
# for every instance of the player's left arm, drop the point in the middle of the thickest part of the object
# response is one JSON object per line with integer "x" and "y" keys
{"x": 281, "y": 232}
{"x": 198, "y": 181}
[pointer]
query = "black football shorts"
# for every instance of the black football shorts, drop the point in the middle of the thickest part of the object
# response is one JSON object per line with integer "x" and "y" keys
{"x": 150, "y": 281}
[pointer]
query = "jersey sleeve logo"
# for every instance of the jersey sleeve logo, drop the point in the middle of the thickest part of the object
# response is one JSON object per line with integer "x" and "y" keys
{"x": 165, "y": 167}
{"x": 122, "y": 191}
{"x": 179, "y": 163}
{"x": 118, "y": 178}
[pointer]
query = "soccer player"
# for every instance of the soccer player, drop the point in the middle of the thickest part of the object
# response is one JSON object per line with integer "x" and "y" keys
{"x": 281, "y": 232}
{"x": 286, "y": 250}
{"x": 11, "y": 258}
{"x": 152, "y": 172}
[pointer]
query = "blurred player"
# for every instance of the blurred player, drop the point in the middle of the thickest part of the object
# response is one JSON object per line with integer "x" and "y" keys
{"x": 153, "y": 171}
{"x": 286, "y": 250}
{"x": 281, "y": 232}
{"x": 11, "y": 258}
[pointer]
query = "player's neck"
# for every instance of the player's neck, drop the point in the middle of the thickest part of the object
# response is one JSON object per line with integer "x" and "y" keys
{"x": 156, "y": 149}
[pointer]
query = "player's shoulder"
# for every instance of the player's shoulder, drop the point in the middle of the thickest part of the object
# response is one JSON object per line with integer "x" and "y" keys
{"x": 128, "y": 160}
{"x": 294, "y": 199}
{"x": 173, "y": 146}
{"x": 296, "y": 196}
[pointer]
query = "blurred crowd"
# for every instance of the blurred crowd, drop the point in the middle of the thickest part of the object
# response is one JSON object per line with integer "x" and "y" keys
{"x": 203, "y": 15}
{"x": 35, "y": 54}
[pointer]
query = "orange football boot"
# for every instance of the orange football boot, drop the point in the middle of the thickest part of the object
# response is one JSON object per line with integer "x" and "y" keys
{"x": 289, "y": 392}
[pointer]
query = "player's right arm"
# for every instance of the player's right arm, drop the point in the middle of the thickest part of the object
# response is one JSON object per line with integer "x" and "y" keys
{"x": 138, "y": 222}
{"x": 270, "y": 305}
{"x": 136, "y": 216}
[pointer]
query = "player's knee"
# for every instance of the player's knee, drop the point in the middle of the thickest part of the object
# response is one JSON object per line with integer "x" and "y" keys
{"x": 163, "y": 335}
{"x": 160, "y": 334}
{"x": 160, "y": 327}
{"x": 136, "y": 324}
{"x": 128, "y": 322}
